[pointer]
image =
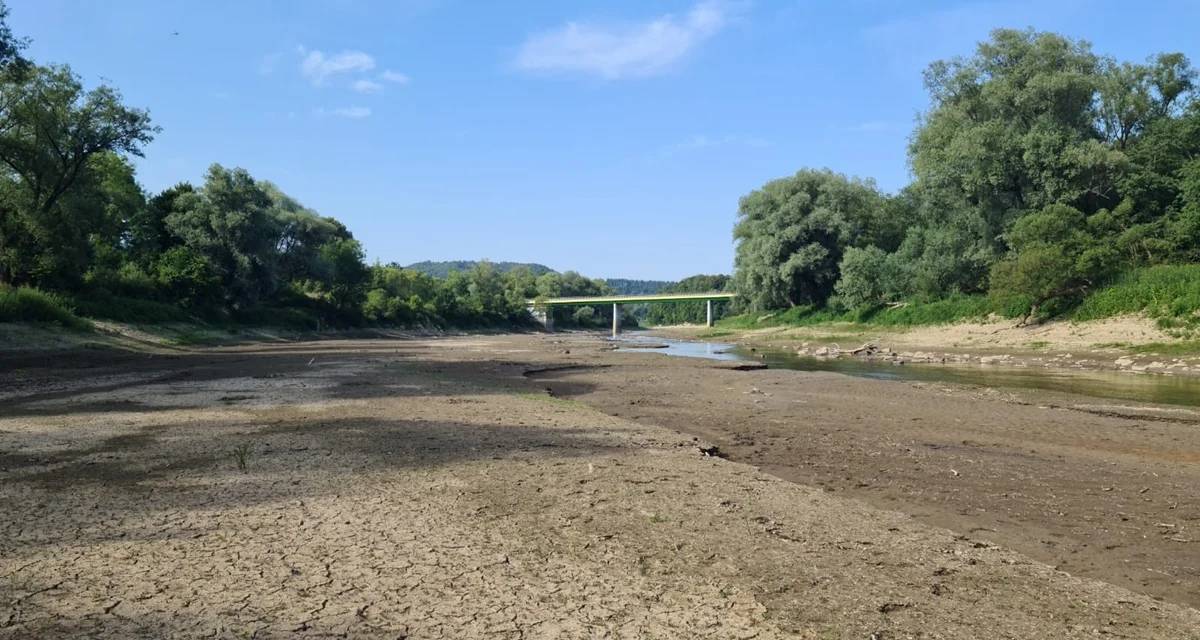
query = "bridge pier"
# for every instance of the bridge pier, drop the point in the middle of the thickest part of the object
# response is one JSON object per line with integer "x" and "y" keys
{"x": 709, "y": 303}
{"x": 616, "y": 319}
{"x": 544, "y": 316}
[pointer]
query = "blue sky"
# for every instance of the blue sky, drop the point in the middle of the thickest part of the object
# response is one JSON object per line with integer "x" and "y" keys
{"x": 613, "y": 138}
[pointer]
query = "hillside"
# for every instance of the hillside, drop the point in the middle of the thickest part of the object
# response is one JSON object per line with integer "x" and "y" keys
{"x": 636, "y": 287}
{"x": 443, "y": 269}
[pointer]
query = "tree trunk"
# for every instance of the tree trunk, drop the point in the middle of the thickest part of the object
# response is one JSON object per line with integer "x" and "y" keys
{"x": 1065, "y": 291}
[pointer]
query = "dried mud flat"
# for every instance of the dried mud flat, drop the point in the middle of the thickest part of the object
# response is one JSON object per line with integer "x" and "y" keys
{"x": 431, "y": 488}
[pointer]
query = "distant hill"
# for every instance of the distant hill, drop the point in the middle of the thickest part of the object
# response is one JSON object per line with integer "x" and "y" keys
{"x": 443, "y": 269}
{"x": 637, "y": 287}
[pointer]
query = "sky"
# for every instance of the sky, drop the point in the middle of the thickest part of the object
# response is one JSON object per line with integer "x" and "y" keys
{"x": 613, "y": 138}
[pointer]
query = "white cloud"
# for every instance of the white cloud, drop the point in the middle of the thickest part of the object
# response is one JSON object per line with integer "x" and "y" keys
{"x": 393, "y": 76}
{"x": 631, "y": 50}
{"x": 367, "y": 86}
{"x": 352, "y": 112}
{"x": 344, "y": 112}
{"x": 318, "y": 67}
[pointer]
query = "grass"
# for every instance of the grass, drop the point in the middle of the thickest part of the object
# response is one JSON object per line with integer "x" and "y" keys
{"x": 1169, "y": 294}
{"x": 1187, "y": 348}
{"x": 26, "y": 304}
{"x": 949, "y": 310}
{"x": 241, "y": 454}
{"x": 715, "y": 333}
{"x": 101, "y": 304}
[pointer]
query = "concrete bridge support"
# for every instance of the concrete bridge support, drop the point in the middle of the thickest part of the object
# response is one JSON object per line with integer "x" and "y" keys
{"x": 616, "y": 319}
{"x": 545, "y": 317}
{"x": 709, "y": 303}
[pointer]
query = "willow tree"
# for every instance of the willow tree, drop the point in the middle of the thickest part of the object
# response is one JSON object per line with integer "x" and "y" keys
{"x": 792, "y": 232}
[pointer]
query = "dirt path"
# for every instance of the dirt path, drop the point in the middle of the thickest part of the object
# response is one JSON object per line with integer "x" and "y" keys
{"x": 427, "y": 488}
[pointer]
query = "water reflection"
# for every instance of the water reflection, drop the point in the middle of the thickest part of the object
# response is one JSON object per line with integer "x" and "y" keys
{"x": 1115, "y": 385}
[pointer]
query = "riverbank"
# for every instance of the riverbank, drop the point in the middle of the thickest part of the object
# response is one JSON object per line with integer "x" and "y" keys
{"x": 545, "y": 486}
{"x": 1133, "y": 344}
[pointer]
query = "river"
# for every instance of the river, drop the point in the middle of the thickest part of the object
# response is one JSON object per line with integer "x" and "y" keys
{"x": 1115, "y": 385}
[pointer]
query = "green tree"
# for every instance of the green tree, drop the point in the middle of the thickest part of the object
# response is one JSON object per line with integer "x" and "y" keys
{"x": 347, "y": 274}
{"x": 792, "y": 232}
{"x": 671, "y": 313}
{"x": 1054, "y": 254}
{"x": 1013, "y": 128}
{"x": 51, "y": 128}
{"x": 228, "y": 220}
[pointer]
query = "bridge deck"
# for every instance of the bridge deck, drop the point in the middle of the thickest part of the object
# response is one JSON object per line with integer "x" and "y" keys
{"x": 658, "y": 297}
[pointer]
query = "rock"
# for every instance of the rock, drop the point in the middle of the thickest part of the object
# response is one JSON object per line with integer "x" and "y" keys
{"x": 1124, "y": 361}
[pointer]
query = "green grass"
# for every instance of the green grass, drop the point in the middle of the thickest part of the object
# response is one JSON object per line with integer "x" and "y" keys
{"x": 26, "y": 304}
{"x": 1188, "y": 348}
{"x": 241, "y": 455}
{"x": 953, "y": 309}
{"x": 1169, "y": 294}
{"x": 715, "y": 333}
{"x": 106, "y": 306}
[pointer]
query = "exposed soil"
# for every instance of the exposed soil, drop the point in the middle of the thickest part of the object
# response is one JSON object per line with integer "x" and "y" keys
{"x": 443, "y": 488}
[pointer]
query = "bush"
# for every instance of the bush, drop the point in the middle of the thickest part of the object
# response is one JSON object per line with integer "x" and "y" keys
{"x": 100, "y": 303}
{"x": 1170, "y": 294}
{"x": 26, "y": 304}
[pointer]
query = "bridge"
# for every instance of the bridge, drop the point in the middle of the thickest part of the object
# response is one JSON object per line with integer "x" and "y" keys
{"x": 540, "y": 308}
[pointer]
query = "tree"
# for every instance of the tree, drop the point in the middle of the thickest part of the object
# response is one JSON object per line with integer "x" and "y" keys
{"x": 868, "y": 278}
{"x": 50, "y": 130}
{"x": 347, "y": 274}
{"x": 689, "y": 312}
{"x": 228, "y": 220}
{"x": 1054, "y": 254}
{"x": 1013, "y": 129}
{"x": 792, "y": 232}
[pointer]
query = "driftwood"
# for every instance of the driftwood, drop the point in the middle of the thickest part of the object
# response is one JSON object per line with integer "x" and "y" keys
{"x": 868, "y": 347}
{"x": 897, "y": 305}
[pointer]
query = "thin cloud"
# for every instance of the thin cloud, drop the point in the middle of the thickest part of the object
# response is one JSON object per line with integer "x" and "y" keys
{"x": 633, "y": 50}
{"x": 367, "y": 86}
{"x": 706, "y": 142}
{"x": 318, "y": 67}
{"x": 874, "y": 125}
{"x": 344, "y": 112}
{"x": 393, "y": 76}
{"x": 268, "y": 63}
{"x": 352, "y": 112}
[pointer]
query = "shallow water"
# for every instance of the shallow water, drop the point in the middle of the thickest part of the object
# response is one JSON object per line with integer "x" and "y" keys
{"x": 1114, "y": 385}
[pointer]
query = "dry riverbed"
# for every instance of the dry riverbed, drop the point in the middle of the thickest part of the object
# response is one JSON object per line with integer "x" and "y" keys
{"x": 541, "y": 486}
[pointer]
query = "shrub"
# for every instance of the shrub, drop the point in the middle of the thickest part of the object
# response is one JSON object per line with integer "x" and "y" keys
{"x": 26, "y": 304}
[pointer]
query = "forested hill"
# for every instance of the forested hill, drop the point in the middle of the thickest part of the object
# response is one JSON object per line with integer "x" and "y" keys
{"x": 443, "y": 269}
{"x": 637, "y": 287}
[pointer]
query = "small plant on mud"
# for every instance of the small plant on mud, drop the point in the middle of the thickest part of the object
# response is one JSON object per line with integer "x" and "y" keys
{"x": 241, "y": 454}
{"x": 657, "y": 518}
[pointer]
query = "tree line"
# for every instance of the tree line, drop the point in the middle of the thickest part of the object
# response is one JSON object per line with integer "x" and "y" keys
{"x": 75, "y": 224}
{"x": 1041, "y": 170}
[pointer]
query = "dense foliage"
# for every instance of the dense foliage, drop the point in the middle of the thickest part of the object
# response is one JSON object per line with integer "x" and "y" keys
{"x": 443, "y": 269}
{"x": 637, "y": 287}
{"x": 1042, "y": 171}
{"x": 672, "y": 313}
